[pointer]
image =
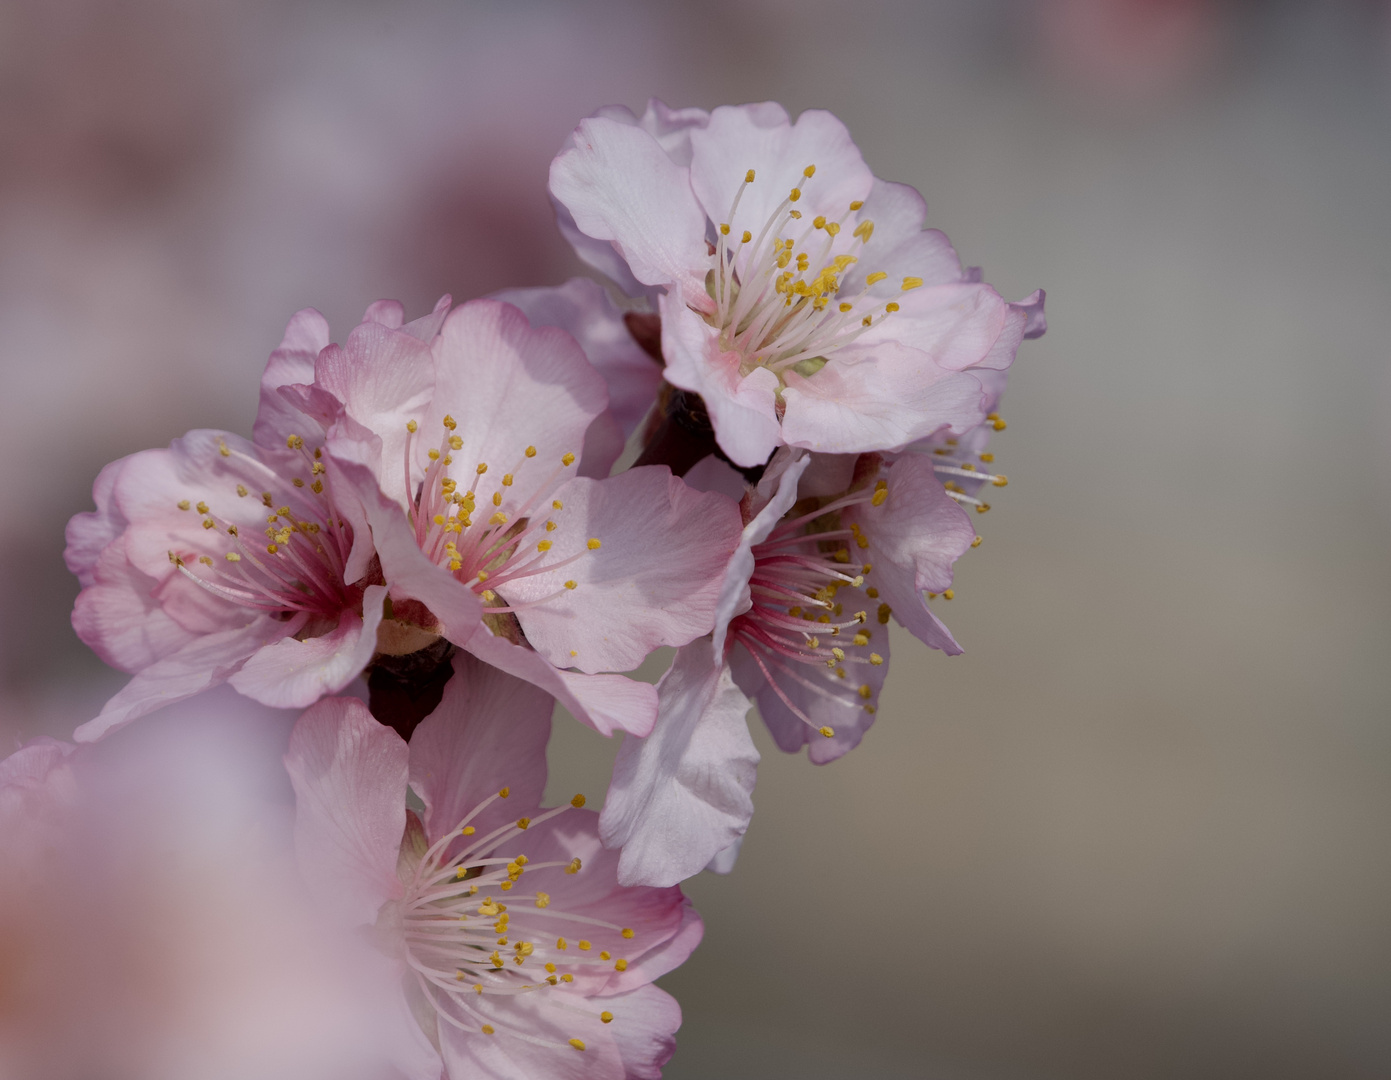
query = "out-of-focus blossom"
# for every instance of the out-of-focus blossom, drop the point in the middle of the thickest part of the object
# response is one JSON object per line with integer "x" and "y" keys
{"x": 465, "y": 454}
{"x": 152, "y": 925}
{"x": 512, "y": 949}
{"x": 834, "y": 548}
{"x": 800, "y": 297}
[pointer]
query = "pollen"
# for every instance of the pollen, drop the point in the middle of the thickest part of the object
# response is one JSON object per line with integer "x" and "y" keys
{"x": 412, "y": 426}
{"x": 232, "y": 556}
{"x": 724, "y": 230}
{"x": 747, "y": 236}
{"x": 794, "y": 194}
{"x": 593, "y": 544}
{"x": 828, "y": 732}
{"x": 809, "y": 171}
{"x": 577, "y": 802}
{"x": 578, "y": 1044}
{"x": 467, "y": 830}
{"x": 575, "y": 865}
{"x": 523, "y": 823}
{"x": 184, "y": 504}
{"x": 911, "y": 283}
{"x": 876, "y": 277}
{"x": 857, "y": 204}
{"x": 606, "y": 1017}
{"x": 544, "y": 900}
{"x": 543, "y": 546}
{"x": 504, "y": 792}
{"x": 487, "y": 1029}
{"x": 875, "y": 659}
{"x": 571, "y": 584}
{"x": 567, "y": 459}
{"x": 977, "y": 541}
{"x": 620, "y": 965}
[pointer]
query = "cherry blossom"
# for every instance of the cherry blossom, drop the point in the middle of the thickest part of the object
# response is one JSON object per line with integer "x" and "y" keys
{"x": 799, "y": 296}
{"x": 513, "y": 949}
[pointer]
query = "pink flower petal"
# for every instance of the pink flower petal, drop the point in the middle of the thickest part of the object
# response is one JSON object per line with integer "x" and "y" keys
{"x": 607, "y": 703}
{"x": 510, "y": 387}
{"x": 290, "y": 364}
{"x": 291, "y": 674}
{"x": 349, "y": 774}
{"x": 653, "y": 580}
{"x": 645, "y": 1022}
{"x": 583, "y": 309}
{"x": 683, "y": 794}
{"x": 89, "y": 534}
{"x": 760, "y": 137}
{"x": 553, "y": 1016}
{"x": 489, "y": 732}
{"x": 619, "y": 185}
{"x": 876, "y": 399}
{"x": 205, "y": 662}
{"x": 118, "y": 615}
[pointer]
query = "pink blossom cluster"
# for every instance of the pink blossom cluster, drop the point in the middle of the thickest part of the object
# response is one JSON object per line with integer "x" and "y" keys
{"x": 759, "y": 443}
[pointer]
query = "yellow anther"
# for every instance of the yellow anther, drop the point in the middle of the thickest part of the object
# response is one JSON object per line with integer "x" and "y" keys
{"x": 499, "y": 518}
{"x": 561, "y": 944}
{"x": 523, "y": 823}
{"x": 575, "y": 865}
{"x": 567, "y": 977}
{"x": 864, "y": 230}
{"x": 232, "y": 556}
{"x": 585, "y": 946}
{"x": 606, "y": 1017}
{"x": 832, "y": 227}
{"x": 412, "y": 426}
{"x": 450, "y": 422}
{"x": 724, "y": 230}
{"x": 543, "y": 900}
{"x": 859, "y": 639}
{"x": 890, "y": 308}
{"x": 809, "y": 171}
{"x": 977, "y": 541}
{"x": 871, "y": 709}
{"x": 317, "y": 487}
{"x": 866, "y": 321}
{"x": 487, "y": 1029}
{"x": 884, "y": 612}
{"x": 497, "y": 498}
{"x": 876, "y": 277}
{"x": 496, "y": 958}
{"x": 460, "y": 873}
{"x": 794, "y": 195}
{"x": 438, "y": 519}
{"x": 911, "y": 283}
{"x": 605, "y": 955}
{"x": 184, "y": 504}
{"x": 875, "y": 659}
{"x": 524, "y": 948}
{"x": 845, "y": 307}
{"x": 482, "y": 468}
{"x": 987, "y": 458}
{"x": 467, "y": 830}
{"x": 294, "y": 442}
{"x": 828, "y": 732}
{"x": 488, "y": 595}
{"x": 982, "y": 508}
{"x": 222, "y": 449}
{"x": 208, "y": 523}
{"x": 504, "y": 792}
{"x": 455, "y": 442}
{"x": 205, "y": 560}
{"x": 593, "y": 543}
{"x": 552, "y": 979}
{"x": 881, "y": 492}
{"x": 271, "y": 549}
{"x": 506, "y": 886}
{"x": 433, "y": 455}
{"x": 556, "y": 504}
{"x": 203, "y": 508}
{"x": 543, "y": 546}
{"x": 297, "y": 482}
{"x": 577, "y": 801}
{"x": 550, "y": 967}
{"x": 865, "y": 691}
{"x": 571, "y": 584}
{"x": 620, "y": 965}
{"x": 747, "y": 236}
{"x": 1000, "y": 481}
{"x": 578, "y": 1044}
{"x": 818, "y": 222}
{"x": 948, "y": 594}
{"x": 567, "y": 459}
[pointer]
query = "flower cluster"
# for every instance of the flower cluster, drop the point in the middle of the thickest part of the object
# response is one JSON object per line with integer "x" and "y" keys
{"x": 427, "y": 542}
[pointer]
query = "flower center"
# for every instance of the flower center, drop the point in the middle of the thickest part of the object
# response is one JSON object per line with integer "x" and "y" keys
{"x": 778, "y": 298}
{"x": 508, "y": 539}
{"x": 796, "y": 620}
{"x": 471, "y": 954}
{"x": 299, "y": 566}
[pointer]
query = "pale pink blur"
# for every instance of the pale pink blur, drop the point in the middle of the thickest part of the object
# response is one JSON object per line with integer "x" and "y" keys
{"x": 152, "y": 926}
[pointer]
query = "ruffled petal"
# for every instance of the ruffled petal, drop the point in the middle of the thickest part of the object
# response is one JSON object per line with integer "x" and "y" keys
{"x": 292, "y": 363}
{"x": 89, "y": 534}
{"x": 684, "y": 793}
{"x": 555, "y": 1017}
{"x": 652, "y": 580}
{"x": 349, "y": 774}
{"x": 488, "y": 732}
{"x": 760, "y": 137}
{"x": 956, "y": 326}
{"x": 619, "y": 185}
{"x": 292, "y": 674}
{"x": 118, "y": 616}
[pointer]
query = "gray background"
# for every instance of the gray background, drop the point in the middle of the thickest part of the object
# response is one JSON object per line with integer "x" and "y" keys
{"x": 1140, "y": 828}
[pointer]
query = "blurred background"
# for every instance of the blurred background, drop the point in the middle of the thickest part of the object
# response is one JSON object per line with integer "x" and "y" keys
{"x": 1142, "y": 828}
